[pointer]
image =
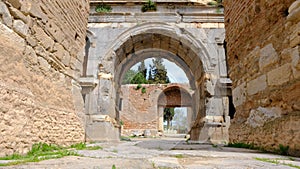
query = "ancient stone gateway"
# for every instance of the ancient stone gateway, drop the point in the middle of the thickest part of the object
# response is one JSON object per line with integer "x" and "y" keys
{"x": 190, "y": 36}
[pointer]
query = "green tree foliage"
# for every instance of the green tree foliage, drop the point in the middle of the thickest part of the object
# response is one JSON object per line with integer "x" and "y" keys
{"x": 168, "y": 116}
{"x": 139, "y": 79}
{"x": 134, "y": 77}
{"x": 158, "y": 72}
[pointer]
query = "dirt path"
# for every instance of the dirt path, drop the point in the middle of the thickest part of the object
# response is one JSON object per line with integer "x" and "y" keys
{"x": 165, "y": 153}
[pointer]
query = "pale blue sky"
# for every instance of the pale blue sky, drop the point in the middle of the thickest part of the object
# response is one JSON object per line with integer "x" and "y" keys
{"x": 175, "y": 73}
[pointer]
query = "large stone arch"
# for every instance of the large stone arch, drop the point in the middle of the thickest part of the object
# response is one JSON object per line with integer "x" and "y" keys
{"x": 200, "y": 59}
{"x": 161, "y": 36}
{"x": 197, "y": 48}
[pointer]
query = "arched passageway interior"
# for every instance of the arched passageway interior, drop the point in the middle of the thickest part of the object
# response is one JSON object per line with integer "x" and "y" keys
{"x": 142, "y": 100}
{"x": 175, "y": 97}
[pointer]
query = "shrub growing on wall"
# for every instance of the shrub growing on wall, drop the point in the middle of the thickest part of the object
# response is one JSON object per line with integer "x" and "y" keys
{"x": 149, "y": 6}
{"x": 143, "y": 90}
{"x": 103, "y": 8}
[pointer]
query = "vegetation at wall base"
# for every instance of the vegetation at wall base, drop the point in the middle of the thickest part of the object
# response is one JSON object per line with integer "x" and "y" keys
{"x": 82, "y": 146}
{"x": 282, "y": 150}
{"x": 277, "y": 161}
{"x": 43, "y": 151}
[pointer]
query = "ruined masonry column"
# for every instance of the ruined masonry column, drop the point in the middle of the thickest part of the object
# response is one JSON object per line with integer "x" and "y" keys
{"x": 102, "y": 125}
{"x": 189, "y": 117}
{"x": 160, "y": 118}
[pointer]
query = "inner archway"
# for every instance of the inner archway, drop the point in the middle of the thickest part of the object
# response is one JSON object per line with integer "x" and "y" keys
{"x": 138, "y": 105}
{"x": 173, "y": 97}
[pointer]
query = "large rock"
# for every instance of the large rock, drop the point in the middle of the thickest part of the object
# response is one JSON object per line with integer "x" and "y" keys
{"x": 6, "y": 18}
{"x": 258, "y": 117}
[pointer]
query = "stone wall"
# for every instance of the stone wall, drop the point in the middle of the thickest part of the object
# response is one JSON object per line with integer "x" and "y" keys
{"x": 41, "y": 52}
{"x": 263, "y": 57}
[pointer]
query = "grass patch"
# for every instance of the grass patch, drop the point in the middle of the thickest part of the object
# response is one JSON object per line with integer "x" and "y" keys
{"x": 39, "y": 152}
{"x": 292, "y": 165}
{"x": 82, "y": 146}
{"x": 43, "y": 151}
{"x": 276, "y": 161}
{"x": 124, "y": 138}
{"x": 179, "y": 156}
{"x": 79, "y": 146}
{"x": 214, "y": 146}
{"x": 94, "y": 148}
{"x": 283, "y": 150}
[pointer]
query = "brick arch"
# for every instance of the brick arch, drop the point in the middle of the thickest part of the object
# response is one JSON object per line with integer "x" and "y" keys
{"x": 175, "y": 96}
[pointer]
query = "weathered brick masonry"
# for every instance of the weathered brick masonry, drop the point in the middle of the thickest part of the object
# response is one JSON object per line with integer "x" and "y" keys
{"x": 263, "y": 57}
{"x": 140, "y": 111}
{"x": 41, "y": 52}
